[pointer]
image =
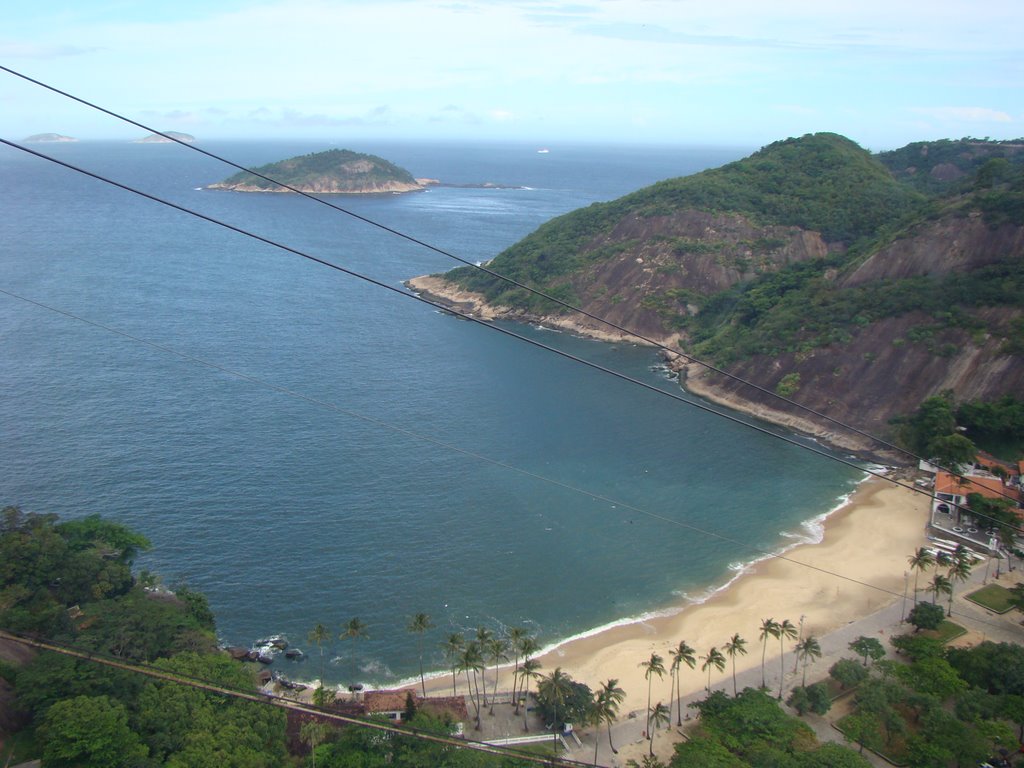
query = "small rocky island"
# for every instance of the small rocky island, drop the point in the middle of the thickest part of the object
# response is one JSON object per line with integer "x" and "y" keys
{"x": 156, "y": 138}
{"x": 45, "y": 138}
{"x": 336, "y": 171}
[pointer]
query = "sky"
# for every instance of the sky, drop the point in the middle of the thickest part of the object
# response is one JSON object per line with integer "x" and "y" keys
{"x": 693, "y": 72}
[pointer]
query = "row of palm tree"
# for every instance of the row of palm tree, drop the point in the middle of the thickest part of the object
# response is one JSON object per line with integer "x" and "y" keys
{"x": 958, "y": 565}
{"x": 354, "y": 630}
{"x": 471, "y": 658}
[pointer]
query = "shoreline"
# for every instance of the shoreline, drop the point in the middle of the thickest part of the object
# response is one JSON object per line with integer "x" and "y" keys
{"x": 823, "y": 582}
{"x": 694, "y": 378}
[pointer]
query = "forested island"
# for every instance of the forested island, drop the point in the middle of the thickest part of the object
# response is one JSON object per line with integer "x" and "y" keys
{"x": 336, "y": 171}
{"x": 812, "y": 268}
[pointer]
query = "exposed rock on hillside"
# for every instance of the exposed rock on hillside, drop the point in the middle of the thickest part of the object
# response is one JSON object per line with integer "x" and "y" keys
{"x": 807, "y": 269}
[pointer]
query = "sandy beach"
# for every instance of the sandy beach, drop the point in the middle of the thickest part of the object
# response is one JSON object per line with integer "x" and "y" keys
{"x": 867, "y": 541}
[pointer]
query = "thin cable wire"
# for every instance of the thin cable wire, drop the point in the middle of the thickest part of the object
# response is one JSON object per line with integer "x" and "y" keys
{"x": 448, "y": 446}
{"x": 478, "y": 321}
{"x": 511, "y": 281}
{"x": 641, "y": 337}
{"x": 282, "y": 703}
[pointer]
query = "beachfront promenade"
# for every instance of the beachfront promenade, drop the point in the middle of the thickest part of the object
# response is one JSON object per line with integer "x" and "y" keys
{"x": 883, "y": 624}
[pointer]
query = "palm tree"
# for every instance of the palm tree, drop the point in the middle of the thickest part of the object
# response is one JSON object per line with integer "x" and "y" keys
{"x": 682, "y": 654}
{"x": 607, "y": 701}
{"x": 769, "y": 628}
{"x": 528, "y": 671}
{"x": 472, "y": 660}
{"x": 960, "y": 570}
{"x": 452, "y": 647}
{"x": 713, "y": 659}
{"x": 527, "y": 647}
{"x": 483, "y": 637}
{"x": 555, "y": 689}
{"x": 653, "y": 666}
{"x": 318, "y": 635}
{"x": 787, "y": 631}
{"x": 312, "y": 732}
{"x": 516, "y": 635}
{"x": 659, "y": 716}
{"x": 736, "y": 646}
{"x": 807, "y": 650}
{"x": 354, "y": 630}
{"x": 419, "y": 624}
{"x": 921, "y": 560}
{"x": 496, "y": 649}
{"x": 939, "y": 584}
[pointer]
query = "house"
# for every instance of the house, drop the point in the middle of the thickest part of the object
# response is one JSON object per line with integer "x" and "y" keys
{"x": 392, "y": 704}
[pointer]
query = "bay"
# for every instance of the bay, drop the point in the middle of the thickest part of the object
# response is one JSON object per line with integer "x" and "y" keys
{"x": 339, "y": 460}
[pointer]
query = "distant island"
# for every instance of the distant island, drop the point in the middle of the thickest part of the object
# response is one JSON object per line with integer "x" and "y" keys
{"x": 44, "y": 138}
{"x": 336, "y": 171}
{"x": 156, "y": 138}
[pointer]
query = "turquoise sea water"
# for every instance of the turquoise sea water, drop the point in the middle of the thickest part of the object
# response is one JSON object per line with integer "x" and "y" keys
{"x": 288, "y": 512}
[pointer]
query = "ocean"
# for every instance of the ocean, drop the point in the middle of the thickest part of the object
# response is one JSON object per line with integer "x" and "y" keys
{"x": 305, "y": 447}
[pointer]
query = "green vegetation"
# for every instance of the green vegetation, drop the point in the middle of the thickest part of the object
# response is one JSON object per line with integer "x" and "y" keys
{"x": 752, "y": 730}
{"x": 996, "y": 426}
{"x": 958, "y": 706}
{"x": 343, "y": 168}
{"x": 948, "y": 165}
{"x": 800, "y": 307}
{"x": 926, "y": 616}
{"x": 820, "y": 182}
{"x": 823, "y": 183}
{"x": 71, "y": 582}
{"x": 994, "y": 597}
{"x": 934, "y": 431}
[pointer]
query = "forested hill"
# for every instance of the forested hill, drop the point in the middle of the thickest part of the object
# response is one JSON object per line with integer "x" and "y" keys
{"x": 859, "y": 284}
{"x": 336, "y": 171}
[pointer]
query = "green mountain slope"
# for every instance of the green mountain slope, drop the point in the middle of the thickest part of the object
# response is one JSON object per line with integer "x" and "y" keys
{"x": 822, "y": 182}
{"x": 807, "y": 268}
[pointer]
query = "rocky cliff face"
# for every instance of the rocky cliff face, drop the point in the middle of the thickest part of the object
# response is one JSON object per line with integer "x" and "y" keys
{"x": 665, "y": 265}
{"x": 662, "y": 265}
{"x": 939, "y": 247}
{"x": 878, "y": 375}
{"x": 806, "y": 269}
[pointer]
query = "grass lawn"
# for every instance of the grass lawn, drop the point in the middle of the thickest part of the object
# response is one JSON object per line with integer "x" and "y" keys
{"x": 894, "y": 753}
{"x": 994, "y": 597}
{"x": 538, "y": 748}
{"x": 947, "y": 631}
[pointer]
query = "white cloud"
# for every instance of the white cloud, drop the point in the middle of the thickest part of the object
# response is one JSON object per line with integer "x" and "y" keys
{"x": 585, "y": 67}
{"x": 10, "y": 49}
{"x": 965, "y": 114}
